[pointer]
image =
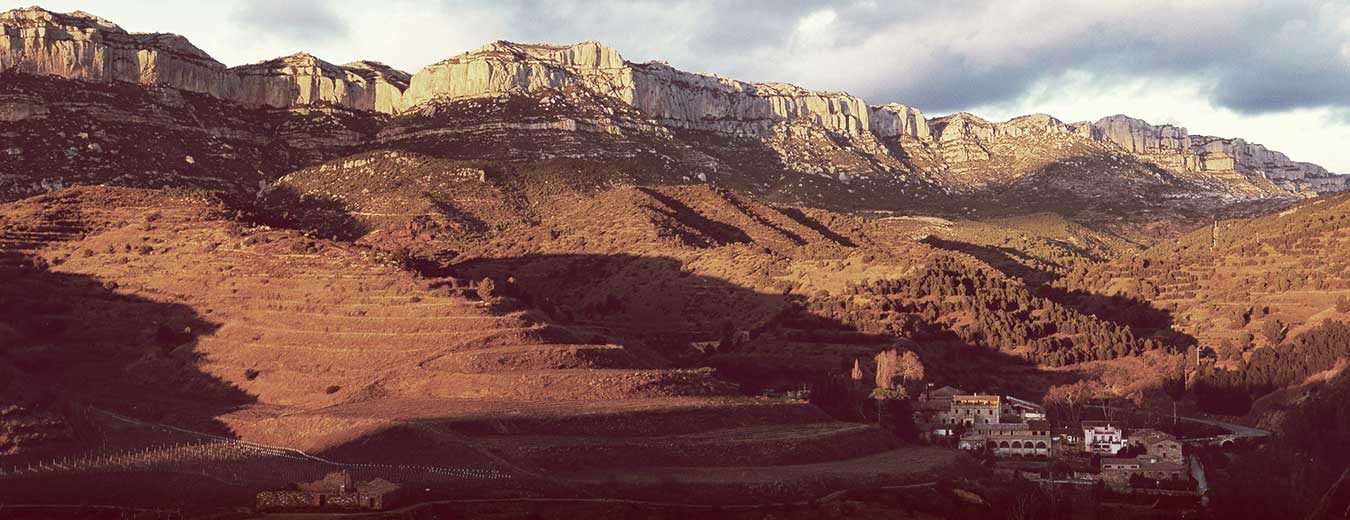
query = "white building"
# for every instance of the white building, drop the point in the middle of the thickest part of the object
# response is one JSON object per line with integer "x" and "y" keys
{"x": 1102, "y": 437}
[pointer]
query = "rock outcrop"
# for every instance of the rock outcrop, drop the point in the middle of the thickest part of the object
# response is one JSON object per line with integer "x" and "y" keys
{"x": 896, "y": 120}
{"x": 672, "y": 97}
{"x": 1168, "y": 145}
{"x": 304, "y": 80}
{"x": 82, "y": 46}
{"x": 1173, "y": 147}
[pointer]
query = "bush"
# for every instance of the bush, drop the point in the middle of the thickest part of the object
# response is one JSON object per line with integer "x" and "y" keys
{"x": 486, "y": 288}
{"x": 1274, "y": 331}
{"x": 1343, "y": 304}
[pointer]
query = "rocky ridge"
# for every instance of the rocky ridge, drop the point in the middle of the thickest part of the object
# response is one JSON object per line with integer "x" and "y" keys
{"x": 898, "y": 138}
{"x": 82, "y": 46}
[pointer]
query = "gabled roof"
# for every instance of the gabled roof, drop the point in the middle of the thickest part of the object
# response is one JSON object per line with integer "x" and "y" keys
{"x": 945, "y": 392}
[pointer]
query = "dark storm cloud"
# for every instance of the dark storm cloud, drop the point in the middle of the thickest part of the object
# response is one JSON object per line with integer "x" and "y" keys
{"x": 311, "y": 21}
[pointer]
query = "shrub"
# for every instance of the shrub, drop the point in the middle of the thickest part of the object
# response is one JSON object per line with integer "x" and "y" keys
{"x": 486, "y": 288}
{"x": 1274, "y": 331}
{"x": 1343, "y": 304}
{"x": 332, "y": 389}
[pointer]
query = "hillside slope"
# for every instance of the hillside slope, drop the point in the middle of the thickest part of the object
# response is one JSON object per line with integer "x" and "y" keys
{"x": 159, "y": 306}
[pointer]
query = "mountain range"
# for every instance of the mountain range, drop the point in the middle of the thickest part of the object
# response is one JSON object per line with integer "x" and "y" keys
{"x": 545, "y": 271}
{"x": 585, "y": 101}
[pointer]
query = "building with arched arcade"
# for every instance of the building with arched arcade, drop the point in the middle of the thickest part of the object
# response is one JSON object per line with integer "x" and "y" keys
{"x": 1032, "y": 439}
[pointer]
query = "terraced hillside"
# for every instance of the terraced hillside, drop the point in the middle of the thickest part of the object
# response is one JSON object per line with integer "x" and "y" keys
{"x": 614, "y": 260}
{"x": 1228, "y": 282}
{"x": 161, "y": 307}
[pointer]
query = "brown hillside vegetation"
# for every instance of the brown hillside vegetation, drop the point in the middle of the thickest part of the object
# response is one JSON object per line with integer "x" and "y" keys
{"x": 1230, "y": 282}
{"x": 158, "y": 306}
{"x": 615, "y": 260}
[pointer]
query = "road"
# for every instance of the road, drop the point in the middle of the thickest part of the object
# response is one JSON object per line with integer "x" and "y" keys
{"x": 1236, "y": 429}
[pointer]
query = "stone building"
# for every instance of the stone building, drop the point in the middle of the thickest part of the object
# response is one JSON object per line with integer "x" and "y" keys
{"x": 1102, "y": 437}
{"x": 335, "y": 491}
{"x": 977, "y": 409}
{"x": 1022, "y": 410}
{"x": 1158, "y": 444}
{"x": 1117, "y": 472}
{"x": 932, "y": 413}
{"x": 1014, "y": 439}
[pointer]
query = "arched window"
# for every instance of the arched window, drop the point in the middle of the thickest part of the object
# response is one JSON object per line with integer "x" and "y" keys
{"x": 1017, "y": 445}
{"x": 1003, "y": 444}
{"x": 1040, "y": 445}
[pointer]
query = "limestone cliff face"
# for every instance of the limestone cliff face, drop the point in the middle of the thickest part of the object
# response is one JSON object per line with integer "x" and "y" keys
{"x": 1169, "y": 145}
{"x": 964, "y": 137}
{"x": 303, "y": 80}
{"x": 670, "y": 96}
{"x": 650, "y": 95}
{"x": 1217, "y": 153}
{"x": 895, "y": 120}
{"x": 1173, "y": 146}
{"x": 389, "y": 84}
{"x": 83, "y": 46}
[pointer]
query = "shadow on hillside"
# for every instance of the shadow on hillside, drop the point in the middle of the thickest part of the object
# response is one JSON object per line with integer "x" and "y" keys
{"x": 285, "y": 207}
{"x": 720, "y": 232}
{"x": 797, "y": 215}
{"x": 76, "y": 339}
{"x": 1141, "y": 317}
{"x": 656, "y": 302}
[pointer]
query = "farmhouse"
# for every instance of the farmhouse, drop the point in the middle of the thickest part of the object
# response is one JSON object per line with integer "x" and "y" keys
{"x": 1158, "y": 444}
{"x": 335, "y": 491}
{"x": 1117, "y": 472}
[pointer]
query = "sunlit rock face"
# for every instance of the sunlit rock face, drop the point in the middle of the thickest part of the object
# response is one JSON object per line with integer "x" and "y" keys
{"x": 672, "y": 97}
{"x": 304, "y": 80}
{"x": 1174, "y": 146}
{"x": 1218, "y": 153}
{"x": 795, "y": 123}
{"x": 895, "y": 120}
{"x": 83, "y": 46}
{"x": 1168, "y": 145}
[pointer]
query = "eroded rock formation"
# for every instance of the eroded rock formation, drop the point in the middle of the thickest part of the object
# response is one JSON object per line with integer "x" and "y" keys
{"x": 82, "y": 46}
{"x": 79, "y": 45}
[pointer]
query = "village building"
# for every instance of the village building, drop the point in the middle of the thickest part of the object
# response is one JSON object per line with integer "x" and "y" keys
{"x": 932, "y": 413}
{"x": 977, "y": 409}
{"x": 1023, "y": 410}
{"x": 1102, "y": 437}
{"x": 335, "y": 491}
{"x": 1158, "y": 444}
{"x": 1118, "y": 472}
{"x": 1013, "y": 439}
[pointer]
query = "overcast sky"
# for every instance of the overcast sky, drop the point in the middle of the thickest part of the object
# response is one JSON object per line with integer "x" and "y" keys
{"x": 1274, "y": 72}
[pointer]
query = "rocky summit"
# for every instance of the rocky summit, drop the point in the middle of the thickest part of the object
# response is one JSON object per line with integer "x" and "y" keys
{"x": 705, "y": 125}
